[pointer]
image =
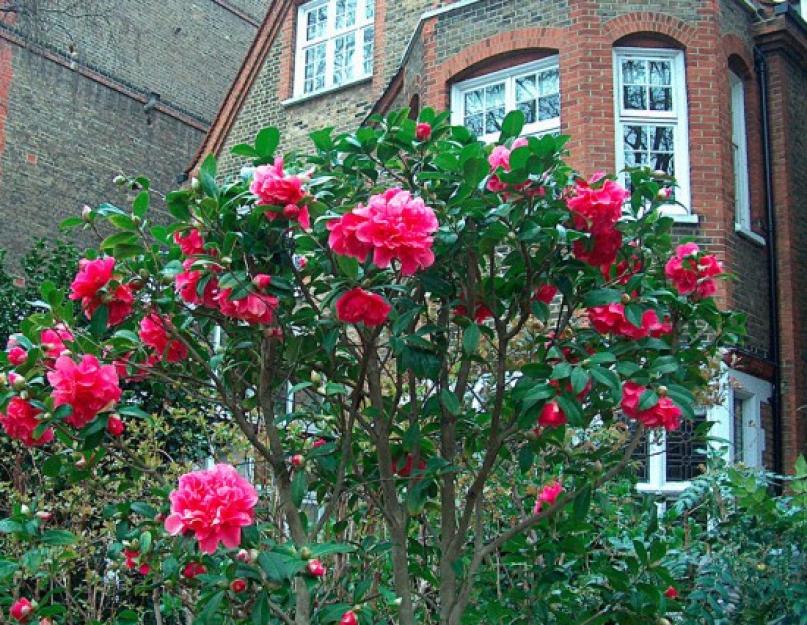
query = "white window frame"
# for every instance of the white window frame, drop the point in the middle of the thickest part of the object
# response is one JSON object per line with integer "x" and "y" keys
{"x": 732, "y": 384}
{"x": 739, "y": 144}
{"x": 677, "y": 118}
{"x": 508, "y": 76}
{"x": 363, "y": 21}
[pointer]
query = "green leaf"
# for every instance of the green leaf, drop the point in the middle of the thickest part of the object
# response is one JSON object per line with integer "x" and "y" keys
{"x": 207, "y": 176}
{"x": 59, "y": 537}
{"x": 601, "y": 297}
{"x": 606, "y": 377}
{"x": 98, "y": 322}
{"x": 327, "y": 549}
{"x": 266, "y": 142}
{"x": 512, "y": 125}
{"x": 582, "y": 503}
{"x": 348, "y": 265}
{"x": 7, "y": 526}
{"x": 648, "y": 400}
{"x": 470, "y": 339}
{"x": 450, "y": 401}
{"x": 244, "y": 149}
{"x": 177, "y": 203}
{"x": 278, "y": 566}
{"x": 210, "y": 608}
{"x": 299, "y": 487}
{"x": 141, "y": 204}
{"x": 260, "y": 611}
{"x": 144, "y": 509}
{"x": 7, "y": 567}
{"x": 580, "y": 379}
{"x": 52, "y": 467}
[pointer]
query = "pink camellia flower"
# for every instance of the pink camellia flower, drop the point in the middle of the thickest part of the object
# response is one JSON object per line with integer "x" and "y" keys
{"x": 692, "y": 272}
{"x": 393, "y": 225}
{"x": 119, "y": 304}
{"x": 594, "y": 210}
{"x": 190, "y": 242}
{"x": 551, "y": 415}
{"x": 53, "y": 340}
{"x": 548, "y": 495}
{"x": 611, "y": 319}
{"x": 316, "y": 568}
{"x": 349, "y": 618}
{"x": 624, "y": 269}
{"x": 154, "y": 332}
{"x": 273, "y": 186}
{"x": 17, "y": 355}
{"x": 404, "y": 465}
{"x": 20, "y": 421}
{"x": 213, "y": 504}
{"x": 88, "y": 387}
{"x": 423, "y": 131}
{"x": 319, "y": 443}
{"x": 481, "y": 313}
{"x": 92, "y": 276}
{"x": 292, "y": 212}
{"x": 144, "y": 569}
{"x": 664, "y": 414}
{"x": 600, "y": 249}
{"x": 671, "y": 592}
{"x": 187, "y": 283}
{"x": 21, "y": 610}
{"x": 130, "y": 557}
{"x": 360, "y": 306}
{"x": 192, "y": 569}
{"x": 254, "y": 308}
{"x": 545, "y": 293}
{"x": 115, "y": 426}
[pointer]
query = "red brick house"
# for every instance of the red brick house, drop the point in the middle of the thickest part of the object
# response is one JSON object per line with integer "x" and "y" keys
{"x": 714, "y": 91}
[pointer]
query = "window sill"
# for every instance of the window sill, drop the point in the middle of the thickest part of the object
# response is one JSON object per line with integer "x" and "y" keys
{"x": 668, "y": 488}
{"x": 312, "y": 96}
{"x": 682, "y": 218}
{"x": 752, "y": 236}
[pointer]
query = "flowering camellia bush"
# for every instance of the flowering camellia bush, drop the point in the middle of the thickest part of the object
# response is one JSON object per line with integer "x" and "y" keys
{"x": 390, "y": 321}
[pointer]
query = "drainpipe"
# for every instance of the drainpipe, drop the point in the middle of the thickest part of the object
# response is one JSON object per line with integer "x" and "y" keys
{"x": 773, "y": 273}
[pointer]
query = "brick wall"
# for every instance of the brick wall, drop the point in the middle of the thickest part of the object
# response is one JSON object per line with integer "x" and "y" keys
{"x": 66, "y": 138}
{"x": 66, "y": 132}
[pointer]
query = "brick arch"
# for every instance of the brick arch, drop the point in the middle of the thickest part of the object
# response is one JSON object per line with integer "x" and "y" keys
{"x": 639, "y": 22}
{"x": 733, "y": 46}
{"x": 511, "y": 41}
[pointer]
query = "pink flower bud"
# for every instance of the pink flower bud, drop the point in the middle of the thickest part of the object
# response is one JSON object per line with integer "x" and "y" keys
{"x": 238, "y": 585}
{"x": 44, "y": 516}
{"x": 243, "y": 556}
{"x": 319, "y": 443}
{"x": 349, "y": 618}
{"x": 297, "y": 460}
{"x": 21, "y": 609}
{"x": 316, "y": 568}
{"x": 261, "y": 281}
{"x": 192, "y": 569}
{"x": 423, "y": 131}
{"x": 115, "y": 426}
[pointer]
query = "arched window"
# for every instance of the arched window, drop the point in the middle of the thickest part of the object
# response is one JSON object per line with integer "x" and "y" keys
{"x": 651, "y": 116}
{"x": 739, "y": 151}
{"x": 481, "y": 102}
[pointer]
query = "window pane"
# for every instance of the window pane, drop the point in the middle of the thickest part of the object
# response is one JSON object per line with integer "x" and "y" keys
{"x": 739, "y": 417}
{"x": 344, "y": 50}
{"x": 660, "y": 73}
{"x": 662, "y": 162}
{"x": 661, "y": 138}
{"x": 528, "y": 108}
{"x": 316, "y": 21}
{"x": 474, "y": 124}
{"x": 494, "y": 96}
{"x": 549, "y": 108}
{"x": 314, "y": 73}
{"x": 550, "y": 82}
{"x": 494, "y": 119}
{"x": 635, "y": 98}
{"x": 474, "y": 102}
{"x": 367, "y": 62}
{"x": 369, "y": 9}
{"x": 635, "y": 137}
{"x": 634, "y": 72}
{"x": 345, "y": 13}
{"x": 660, "y": 99}
{"x": 525, "y": 89}
{"x": 686, "y": 454}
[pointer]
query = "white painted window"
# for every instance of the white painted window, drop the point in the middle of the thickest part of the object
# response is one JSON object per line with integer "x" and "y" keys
{"x": 651, "y": 117}
{"x": 335, "y": 40}
{"x": 671, "y": 460}
{"x": 533, "y": 88}
{"x": 803, "y": 9}
{"x": 739, "y": 145}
